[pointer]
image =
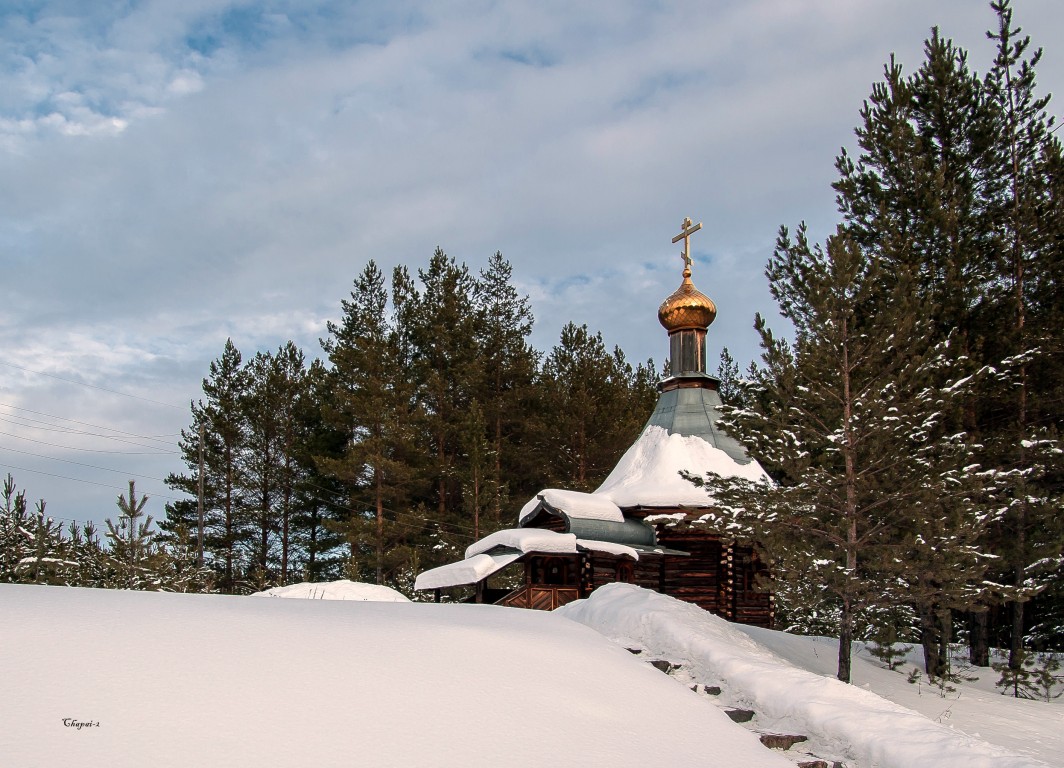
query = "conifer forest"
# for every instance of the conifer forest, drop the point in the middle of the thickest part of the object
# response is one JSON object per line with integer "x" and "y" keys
{"x": 908, "y": 404}
{"x": 426, "y": 417}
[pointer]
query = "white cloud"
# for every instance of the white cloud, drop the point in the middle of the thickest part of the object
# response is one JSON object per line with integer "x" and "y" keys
{"x": 177, "y": 173}
{"x": 185, "y": 82}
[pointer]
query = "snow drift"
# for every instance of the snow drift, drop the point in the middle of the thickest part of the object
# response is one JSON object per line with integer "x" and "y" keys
{"x": 869, "y": 728}
{"x": 177, "y": 680}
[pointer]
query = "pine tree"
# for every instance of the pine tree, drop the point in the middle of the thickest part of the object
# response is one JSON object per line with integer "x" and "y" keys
{"x": 731, "y": 392}
{"x": 594, "y": 404}
{"x": 14, "y": 531}
{"x": 263, "y": 405}
{"x": 847, "y": 419}
{"x": 178, "y": 569}
{"x": 1029, "y": 245}
{"x": 957, "y": 185}
{"x": 47, "y": 560}
{"x": 320, "y": 497}
{"x": 134, "y": 555}
{"x": 478, "y": 469}
{"x": 443, "y": 327}
{"x": 87, "y": 551}
{"x": 271, "y": 470}
{"x": 222, "y": 420}
{"x": 371, "y": 401}
{"x": 506, "y": 373}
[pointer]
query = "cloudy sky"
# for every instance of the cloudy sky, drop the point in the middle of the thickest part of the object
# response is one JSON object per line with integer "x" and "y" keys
{"x": 180, "y": 172}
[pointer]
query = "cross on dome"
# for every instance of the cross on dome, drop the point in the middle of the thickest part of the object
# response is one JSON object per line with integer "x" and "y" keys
{"x": 688, "y": 229}
{"x": 688, "y": 309}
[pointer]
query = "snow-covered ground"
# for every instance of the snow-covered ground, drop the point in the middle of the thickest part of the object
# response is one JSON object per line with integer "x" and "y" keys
{"x": 789, "y": 682}
{"x": 975, "y": 706}
{"x": 343, "y": 589}
{"x": 114, "y": 678}
{"x": 158, "y": 680}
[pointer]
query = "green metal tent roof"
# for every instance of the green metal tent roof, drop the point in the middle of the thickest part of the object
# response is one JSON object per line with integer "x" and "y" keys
{"x": 694, "y": 412}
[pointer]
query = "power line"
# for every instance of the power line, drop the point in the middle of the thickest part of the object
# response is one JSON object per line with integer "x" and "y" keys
{"x": 92, "y": 450}
{"x": 91, "y": 386}
{"x": 80, "y": 480}
{"x": 88, "y": 424}
{"x": 43, "y": 426}
{"x": 81, "y": 464}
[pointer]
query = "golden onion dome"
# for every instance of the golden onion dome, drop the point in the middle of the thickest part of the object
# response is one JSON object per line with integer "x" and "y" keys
{"x": 687, "y": 307}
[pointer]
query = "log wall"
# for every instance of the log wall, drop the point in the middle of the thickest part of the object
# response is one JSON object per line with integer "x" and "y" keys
{"x": 718, "y": 576}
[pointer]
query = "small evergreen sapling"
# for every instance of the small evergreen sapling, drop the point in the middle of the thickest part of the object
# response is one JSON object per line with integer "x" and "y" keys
{"x": 1045, "y": 677}
{"x": 888, "y": 650}
{"x": 1034, "y": 678}
{"x": 134, "y": 554}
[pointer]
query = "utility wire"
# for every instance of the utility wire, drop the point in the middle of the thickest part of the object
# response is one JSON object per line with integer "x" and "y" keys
{"x": 91, "y": 450}
{"x": 88, "y": 424}
{"x": 81, "y": 464}
{"x": 40, "y": 425}
{"x": 91, "y": 386}
{"x": 79, "y": 480}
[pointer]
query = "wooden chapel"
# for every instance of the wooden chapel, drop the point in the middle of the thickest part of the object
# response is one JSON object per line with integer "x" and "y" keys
{"x": 645, "y": 524}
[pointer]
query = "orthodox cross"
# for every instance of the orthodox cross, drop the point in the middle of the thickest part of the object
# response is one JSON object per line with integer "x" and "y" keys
{"x": 688, "y": 230}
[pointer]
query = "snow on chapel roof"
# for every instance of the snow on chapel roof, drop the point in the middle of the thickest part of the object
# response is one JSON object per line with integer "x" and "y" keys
{"x": 648, "y": 475}
{"x": 574, "y": 504}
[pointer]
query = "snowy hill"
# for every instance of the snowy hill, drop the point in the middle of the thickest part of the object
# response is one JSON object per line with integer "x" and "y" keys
{"x": 336, "y": 590}
{"x": 166, "y": 680}
{"x": 187, "y": 680}
{"x": 789, "y": 682}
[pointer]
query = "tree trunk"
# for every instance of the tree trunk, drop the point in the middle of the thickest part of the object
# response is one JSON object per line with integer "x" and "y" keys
{"x": 441, "y": 458}
{"x": 285, "y": 515}
{"x": 945, "y": 637}
{"x": 229, "y": 532}
{"x": 927, "y": 640}
{"x": 497, "y": 479}
{"x": 1016, "y": 634}
{"x": 1018, "y": 267}
{"x": 845, "y": 641}
{"x": 379, "y": 491}
{"x": 846, "y": 625}
{"x": 979, "y": 637}
{"x": 476, "y": 503}
{"x": 312, "y": 550}
{"x": 1019, "y": 575}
